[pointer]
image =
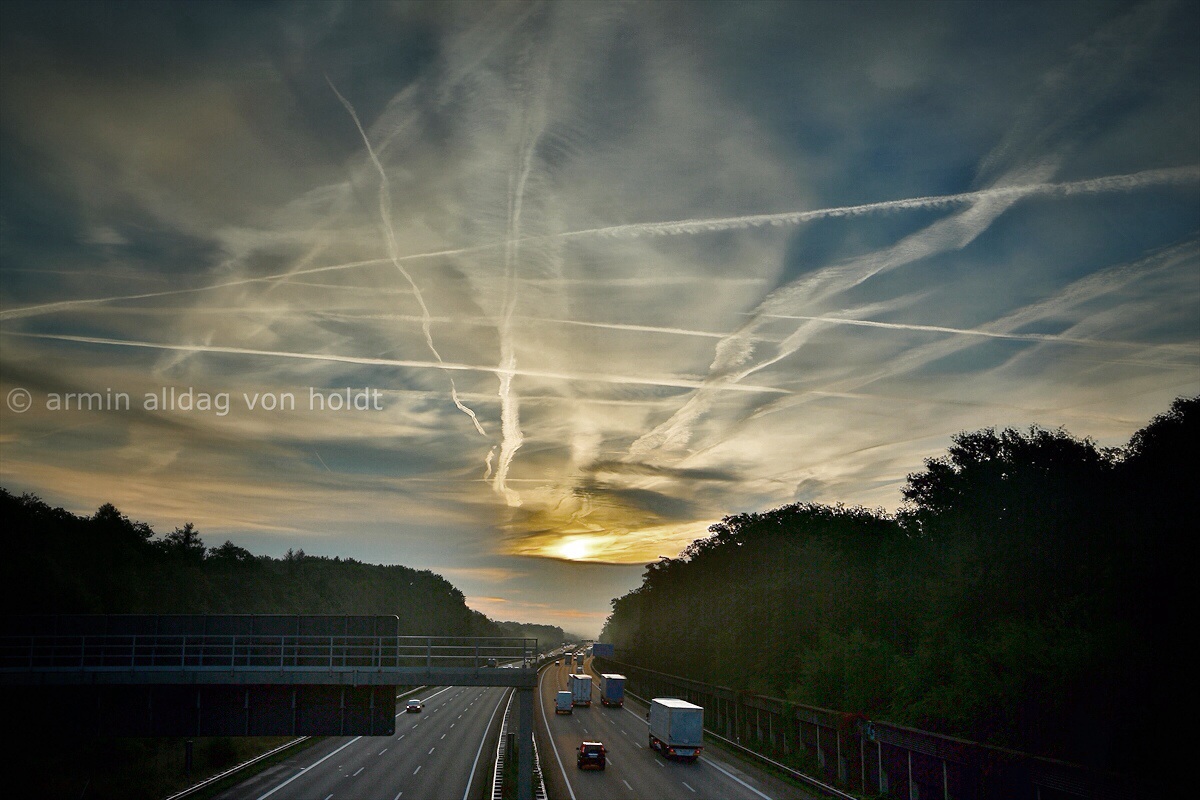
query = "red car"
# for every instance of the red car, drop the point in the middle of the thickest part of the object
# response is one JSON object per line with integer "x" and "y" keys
{"x": 592, "y": 755}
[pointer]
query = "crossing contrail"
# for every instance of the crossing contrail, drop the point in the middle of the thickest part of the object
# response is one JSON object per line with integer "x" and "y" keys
{"x": 385, "y": 213}
{"x": 590, "y": 377}
{"x": 1170, "y": 176}
{"x": 1113, "y": 183}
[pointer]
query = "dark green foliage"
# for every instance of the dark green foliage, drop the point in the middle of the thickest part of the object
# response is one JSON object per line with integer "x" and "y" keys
{"x": 1025, "y": 595}
{"x": 60, "y": 563}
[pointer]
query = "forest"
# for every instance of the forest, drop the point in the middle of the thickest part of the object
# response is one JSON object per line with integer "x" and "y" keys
{"x": 62, "y": 563}
{"x": 1026, "y": 594}
{"x": 57, "y": 562}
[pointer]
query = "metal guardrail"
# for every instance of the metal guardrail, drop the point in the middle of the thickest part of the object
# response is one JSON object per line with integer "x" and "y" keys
{"x": 810, "y": 781}
{"x": 204, "y": 784}
{"x": 502, "y": 756}
{"x": 881, "y": 758}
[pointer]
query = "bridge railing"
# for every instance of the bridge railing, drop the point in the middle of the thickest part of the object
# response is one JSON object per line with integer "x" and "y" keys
{"x": 101, "y": 652}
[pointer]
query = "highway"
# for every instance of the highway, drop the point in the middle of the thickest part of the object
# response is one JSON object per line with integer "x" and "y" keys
{"x": 634, "y": 772}
{"x": 446, "y": 752}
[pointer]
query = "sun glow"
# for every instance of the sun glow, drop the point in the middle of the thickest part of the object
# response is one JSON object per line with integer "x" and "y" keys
{"x": 575, "y": 548}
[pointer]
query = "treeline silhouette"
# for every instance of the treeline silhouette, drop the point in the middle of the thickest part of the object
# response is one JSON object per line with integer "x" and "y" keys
{"x": 57, "y": 562}
{"x": 1024, "y": 595}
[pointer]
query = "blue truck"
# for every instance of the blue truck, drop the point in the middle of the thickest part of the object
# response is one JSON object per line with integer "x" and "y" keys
{"x": 612, "y": 689}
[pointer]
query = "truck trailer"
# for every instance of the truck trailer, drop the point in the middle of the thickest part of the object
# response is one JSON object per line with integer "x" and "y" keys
{"x": 563, "y": 703}
{"x": 676, "y": 728}
{"x": 612, "y": 689}
{"x": 581, "y": 690}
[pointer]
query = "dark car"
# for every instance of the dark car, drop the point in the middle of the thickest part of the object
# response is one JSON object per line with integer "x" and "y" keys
{"x": 592, "y": 755}
{"x": 414, "y": 707}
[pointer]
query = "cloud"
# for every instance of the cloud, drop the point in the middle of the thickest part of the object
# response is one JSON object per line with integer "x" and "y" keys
{"x": 771, "y": 251}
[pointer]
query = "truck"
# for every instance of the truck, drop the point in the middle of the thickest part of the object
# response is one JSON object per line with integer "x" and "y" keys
{"x": 676, "y": 728}
{"x": 612, "y": 689}
{"x": 581, "y": 690}
{"x": 563, "y": 703}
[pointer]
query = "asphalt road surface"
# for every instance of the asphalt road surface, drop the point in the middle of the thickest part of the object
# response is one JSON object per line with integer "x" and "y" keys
{"x": 446, "y": 752}
{"x": 634, "y": 772}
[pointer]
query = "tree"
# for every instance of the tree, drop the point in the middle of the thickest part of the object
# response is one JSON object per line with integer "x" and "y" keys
{"x": 184, "y": 543}
{"x": 108, "y": 520}
{"x": 230, "y": 553}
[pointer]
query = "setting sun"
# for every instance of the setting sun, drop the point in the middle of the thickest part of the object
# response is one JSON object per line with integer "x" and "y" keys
{"x": 576, "y": 548}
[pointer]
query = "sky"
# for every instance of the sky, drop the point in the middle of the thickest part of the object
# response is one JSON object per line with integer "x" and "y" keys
{"x": 531, "y": 295}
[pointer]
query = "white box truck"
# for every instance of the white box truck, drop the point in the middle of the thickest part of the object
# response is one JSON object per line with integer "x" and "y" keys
{"x": 563, "y": 703}
{"x": 612, "y": 689}
{"x": 581, "y": 690}
{"x": 676, "y": 728}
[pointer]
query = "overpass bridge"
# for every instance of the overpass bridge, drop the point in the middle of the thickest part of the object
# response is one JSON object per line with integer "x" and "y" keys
{"x": 243, "y": 674}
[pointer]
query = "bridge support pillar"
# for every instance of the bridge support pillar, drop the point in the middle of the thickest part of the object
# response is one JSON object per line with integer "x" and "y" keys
{"x": 525, "y": 743}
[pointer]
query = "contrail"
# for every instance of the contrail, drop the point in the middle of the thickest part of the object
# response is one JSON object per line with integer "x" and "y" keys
{"x": 532, "y": 125}
{"x": 676, "y": 383}
{"x": 48, "y": 308}
{"x": 1171, "y": 176}
{"x": 385, "y": 213}
{"x": 1030, "y": 337}
{"x": 488, "y": 463}
{"x": 735, "y": 350}
{"x": 1114, "y": 183}
{"x": 323, "y": 464}
{"x": 617, "y": 326}
{"x": 1080, "y": 292}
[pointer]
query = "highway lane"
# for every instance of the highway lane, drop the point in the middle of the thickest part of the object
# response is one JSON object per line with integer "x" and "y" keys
{"x": 634, "y": 771}
{"x": 445, "y": 752}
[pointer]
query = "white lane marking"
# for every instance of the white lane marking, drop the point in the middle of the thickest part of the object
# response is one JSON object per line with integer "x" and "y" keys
{"x": 327, "y": 798}
{"x": 626, "y": 784}
{"x": 298, "y": 774}
{"x": 690, "y": 789}
{"x": 427, "y": 699}
{"x": 401, "y": 736}
{"x": 418, "y": 769}
{"x": 736, "y": 778}
{"x": 645, "y": 722}
{"x": 478, "y": 752}
{"x": 381, "y": 752}
{"x": 444, "y": 735}
{"x": 431, "y": 751}
{"x": 360, "y": 769}
{"x": 550, "y": 736}
{"x": 397, "y": 797}
{"x": 656, "y": 761}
